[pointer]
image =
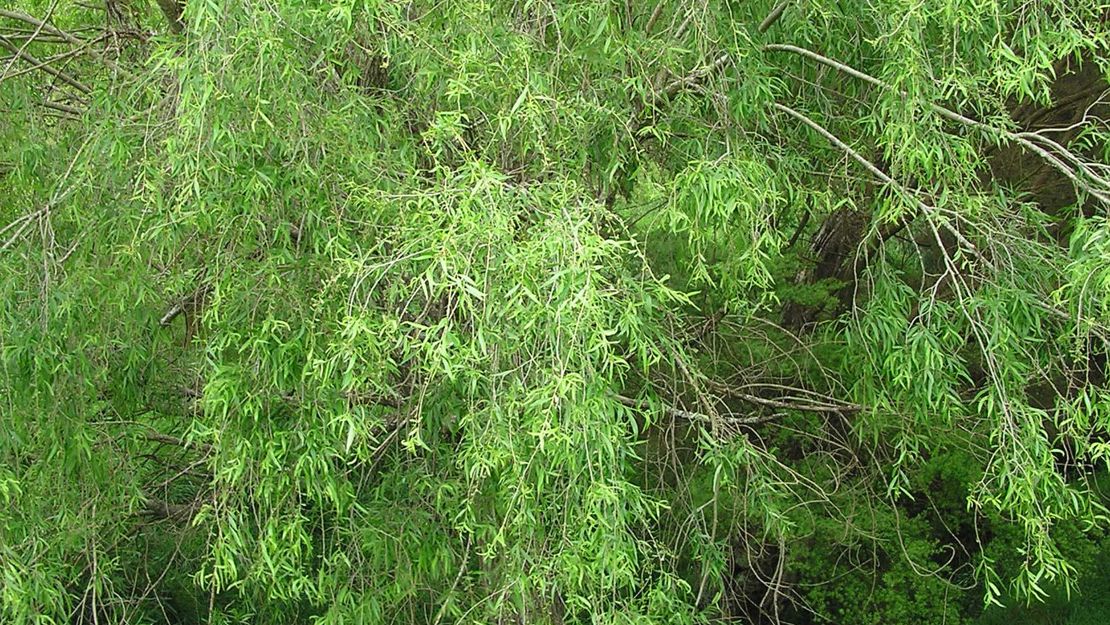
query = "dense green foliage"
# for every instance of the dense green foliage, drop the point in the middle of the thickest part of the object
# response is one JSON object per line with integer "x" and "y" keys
{"x": 483, "y": 311}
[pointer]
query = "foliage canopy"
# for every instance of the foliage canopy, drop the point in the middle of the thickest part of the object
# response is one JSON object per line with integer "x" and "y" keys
{"x": 477, "y": 311}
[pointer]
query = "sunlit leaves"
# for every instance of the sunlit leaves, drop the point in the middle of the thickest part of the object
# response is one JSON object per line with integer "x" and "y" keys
{"x": 429, "y": 312}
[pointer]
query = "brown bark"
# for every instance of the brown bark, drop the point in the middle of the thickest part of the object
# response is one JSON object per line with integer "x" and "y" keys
{"x": 1075, "y": 93}
{"x": 831, "y": 257}
{"x": 172, "y": 10}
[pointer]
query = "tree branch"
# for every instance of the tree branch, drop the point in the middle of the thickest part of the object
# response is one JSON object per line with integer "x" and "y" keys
{"x": 1023, "y": 139}
{"x": 173, "y": 312}
{"x": 880, "y": 174}
{"x": 60, "y": 75}
{"x": 692, "y": 78}
{"x": 42, "y": 63}
{"x": 172, "y": 10}
{"x": 171, "y": 511}
{"x": 158, "y": 437}
{"x": 58, "y": 106}
{"x": 773, "y": 16}
{"x": 810, "y": 404}
{"x": 697, "y": 416}
{"x": 654, "y": 17}
{"x": 41, "y": 25}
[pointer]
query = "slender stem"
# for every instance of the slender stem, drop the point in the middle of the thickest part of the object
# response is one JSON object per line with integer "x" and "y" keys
{"x": 697, "y": 416}
{"x": 39, "y": 24}
{"x": 1021, "y": 139}
{"x": 60, "y": 75}
{"x": 878, "y": 173}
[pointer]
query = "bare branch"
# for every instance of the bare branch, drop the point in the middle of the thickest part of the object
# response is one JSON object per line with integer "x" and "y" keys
{"x": 58, "y": 106}
{"x": 44, "y": 62}
{"x": 44, "y": 25}
{"x": 181, "y": 306}
{"x": 23, "y": 47}
{"x": 39, "y": 24}
{"x": 374, "y": 399}
{"x": 692, "y": 78}
{"x": 60, "y": 75}
{"x": 697, "y": 416}
{"x": 790, "y": 403}
{"x": 773, "y": 16}
{"x": 172, "y": 511}
{"x": 171, "y": 314}
{"x": 672, "y": 88}
{"x": 158, "y": 437}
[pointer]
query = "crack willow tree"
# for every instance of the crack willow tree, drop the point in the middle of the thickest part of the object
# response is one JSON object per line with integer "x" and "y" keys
{"x": 479, "y": 311}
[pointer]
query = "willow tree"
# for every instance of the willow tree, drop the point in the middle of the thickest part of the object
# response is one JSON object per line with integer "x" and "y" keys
{"x": 586, "y": 312}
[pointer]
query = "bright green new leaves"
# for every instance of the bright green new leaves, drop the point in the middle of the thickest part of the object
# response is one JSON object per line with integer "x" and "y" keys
{"x": 597, "y": 312}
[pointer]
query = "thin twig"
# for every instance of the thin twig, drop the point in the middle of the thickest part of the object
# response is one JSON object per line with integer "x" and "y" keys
{"x": 697, "y": 416}
{"x": 880, "y": 174}
{"x": 41, "y": 25}
{"x": 54, "y": 59}
{"x": 1022, "y": 139}
{"x": 463, "y": 562}
{"x": 60, "y": 75}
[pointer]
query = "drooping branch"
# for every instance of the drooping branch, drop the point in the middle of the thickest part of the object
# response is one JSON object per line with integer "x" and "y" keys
{"x": 1038, "y": 144}
{"x": 878, "y": 173}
